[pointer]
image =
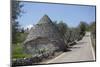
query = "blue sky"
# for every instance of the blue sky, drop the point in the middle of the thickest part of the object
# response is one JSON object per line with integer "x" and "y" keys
{"x": 70, "y": 14}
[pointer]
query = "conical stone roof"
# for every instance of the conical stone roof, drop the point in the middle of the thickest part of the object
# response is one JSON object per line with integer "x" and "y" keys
{"x": 45, "y": 19}
{"x": 45, "y": 28}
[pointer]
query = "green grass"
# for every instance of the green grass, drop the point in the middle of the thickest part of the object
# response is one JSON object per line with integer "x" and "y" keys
{"x": 21, "y": 56}
{"x": 18, "y": 51}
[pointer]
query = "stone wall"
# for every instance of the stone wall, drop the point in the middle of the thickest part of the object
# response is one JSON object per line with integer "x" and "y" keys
{"x": 45, "y": 33}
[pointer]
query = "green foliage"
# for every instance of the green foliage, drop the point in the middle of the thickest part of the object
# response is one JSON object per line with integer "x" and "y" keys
{"x": 16, "y": 11}
{"x": 72, "y": 34}
{"x": 22, "y": 36}
{"x": 62, "y": 28}
{"x": 18, "y": 51}
{"x": 18, "y": 34}
{"x": 22, "y": 56}
{"x": 83, "y": 28}
{"x": 16, "y": 8}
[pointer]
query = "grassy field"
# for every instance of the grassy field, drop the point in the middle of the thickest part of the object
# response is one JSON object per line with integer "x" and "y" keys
{"x": 18, "y": 51}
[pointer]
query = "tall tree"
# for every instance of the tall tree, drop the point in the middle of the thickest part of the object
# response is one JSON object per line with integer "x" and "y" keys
{"x": 64, "y": 31}
{"x": 15, "y": 12}
{"x": 83, "y": 28}
{"x": 62, "y": 28}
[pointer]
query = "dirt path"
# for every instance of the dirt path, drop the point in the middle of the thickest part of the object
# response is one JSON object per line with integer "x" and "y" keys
{"x": 82, "y": 51}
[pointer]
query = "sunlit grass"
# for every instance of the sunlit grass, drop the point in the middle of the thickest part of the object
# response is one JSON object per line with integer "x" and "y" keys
{"x": 18, "y": 51}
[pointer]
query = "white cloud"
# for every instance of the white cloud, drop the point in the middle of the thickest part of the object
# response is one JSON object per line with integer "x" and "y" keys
{"x": 28, "y": 26}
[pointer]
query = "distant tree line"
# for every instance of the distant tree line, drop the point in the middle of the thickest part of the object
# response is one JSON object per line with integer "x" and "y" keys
{"x": 72, "y": 34}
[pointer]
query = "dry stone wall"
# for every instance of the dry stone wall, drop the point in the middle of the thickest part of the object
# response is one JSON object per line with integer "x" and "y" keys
{"x": 44, "y": 33}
